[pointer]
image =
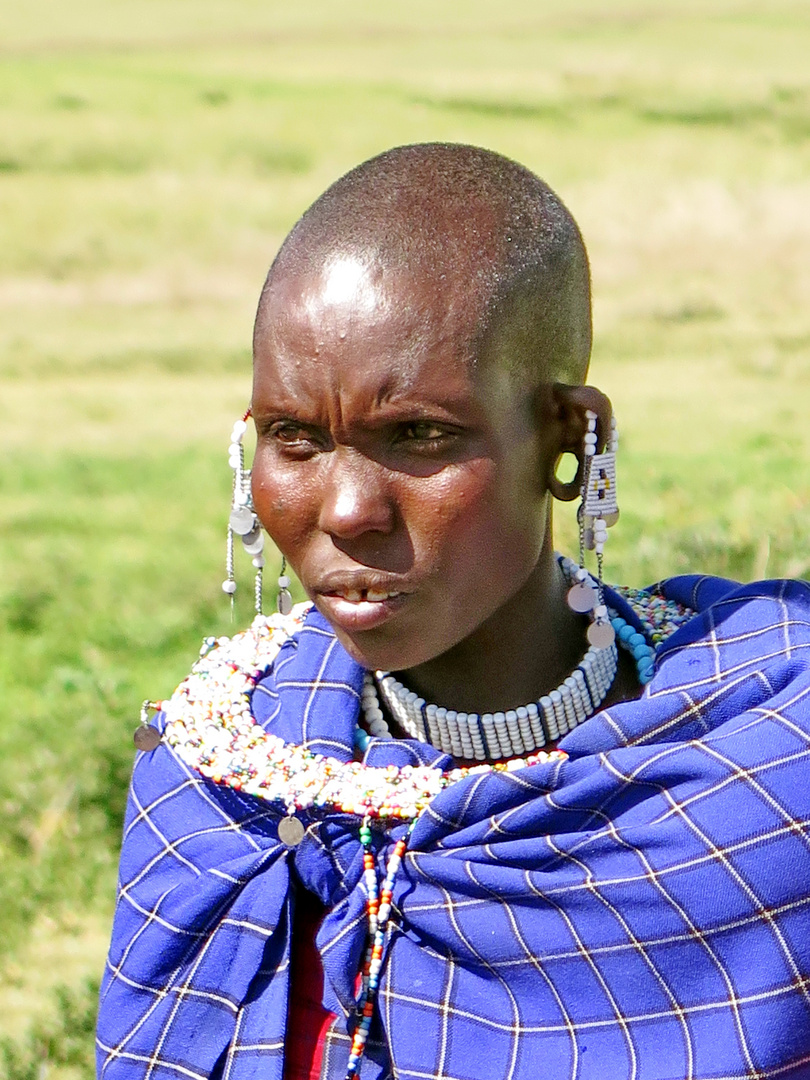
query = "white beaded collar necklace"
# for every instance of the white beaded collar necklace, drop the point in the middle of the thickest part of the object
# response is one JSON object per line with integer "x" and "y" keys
{"x": 502, "y": 735}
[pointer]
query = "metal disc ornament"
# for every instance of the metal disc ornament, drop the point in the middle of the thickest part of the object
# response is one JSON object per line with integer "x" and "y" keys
{"x": 146, "y": 738}
{"x": 601, "y": 635}
{"x": 285, "y": 602}
{"x": 582, "y": 597}
{"x": 253, "y": 542}
{"x": 611, "y": 519}
{"x": 242, "y": 520}
{"x": 290, "y": 831}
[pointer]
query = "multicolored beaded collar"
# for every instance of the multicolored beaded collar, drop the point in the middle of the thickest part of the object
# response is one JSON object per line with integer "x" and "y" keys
{"x": 210, "y": 727}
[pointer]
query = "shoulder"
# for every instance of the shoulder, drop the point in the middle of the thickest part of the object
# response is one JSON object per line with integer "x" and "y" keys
{"x": 222, "y": 680}
{"x": 759, "y": 632}
{"x": 265, "y": 636}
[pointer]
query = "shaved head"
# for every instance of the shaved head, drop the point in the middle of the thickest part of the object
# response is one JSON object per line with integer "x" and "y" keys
{"x": 479, "y": 233}
{"x": 419, "y": 353}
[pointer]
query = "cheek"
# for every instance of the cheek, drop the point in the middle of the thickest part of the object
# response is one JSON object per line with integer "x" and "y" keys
{"x": 476, "y": 516}
{"x": 284, "y": 505}
{"x": 479, "y": 546}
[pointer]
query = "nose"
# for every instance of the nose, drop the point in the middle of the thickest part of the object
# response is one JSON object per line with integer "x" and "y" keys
{"x": 356, "y": 499}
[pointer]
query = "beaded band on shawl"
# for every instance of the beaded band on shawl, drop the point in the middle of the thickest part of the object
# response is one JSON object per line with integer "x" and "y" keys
{"x": 210, "y": 726}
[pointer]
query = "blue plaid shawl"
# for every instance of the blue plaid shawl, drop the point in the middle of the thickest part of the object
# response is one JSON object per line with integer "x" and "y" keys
{"x": 639, "y": 911}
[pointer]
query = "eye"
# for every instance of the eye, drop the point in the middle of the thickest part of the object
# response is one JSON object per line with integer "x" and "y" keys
{"x": 425, "y": 431}
{"x": 426, "y": 438}
{"x": 288, "y": 433}
{"x": 291, "y": 435}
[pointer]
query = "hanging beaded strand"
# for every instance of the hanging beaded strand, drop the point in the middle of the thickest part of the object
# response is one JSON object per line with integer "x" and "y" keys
{"x": 597, "y": 512}
{"x": 284, "y": 601}
{"x": 257, "y": 585}
{"x": 236, "y": 460}
{"x": 229, "y": 584}
{"x": 589, "y": 448}
{"x": 379, "y": 907}
{"x": 602, "y": 501}
{"x": 242, "y": 520}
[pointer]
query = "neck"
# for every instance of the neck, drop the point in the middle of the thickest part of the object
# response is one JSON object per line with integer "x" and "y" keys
{"x": 521, "y": 652}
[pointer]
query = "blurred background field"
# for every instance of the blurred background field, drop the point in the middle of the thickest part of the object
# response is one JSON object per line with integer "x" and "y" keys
{"x": 153, "y": 155}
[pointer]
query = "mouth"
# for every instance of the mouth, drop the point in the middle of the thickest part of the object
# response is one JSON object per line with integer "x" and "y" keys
{"x": 359, "y": 596}
{"x": 353, "y": 609}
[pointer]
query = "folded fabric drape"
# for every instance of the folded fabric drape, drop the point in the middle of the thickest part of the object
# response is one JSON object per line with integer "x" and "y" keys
{"x": 641, "y": 910}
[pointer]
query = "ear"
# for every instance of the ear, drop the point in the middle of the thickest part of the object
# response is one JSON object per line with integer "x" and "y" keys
{"x": 569, "y": 406}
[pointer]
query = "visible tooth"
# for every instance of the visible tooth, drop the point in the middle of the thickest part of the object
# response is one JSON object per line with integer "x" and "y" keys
{"x": 375, "y": 594}
{"x": 354, "y": 596}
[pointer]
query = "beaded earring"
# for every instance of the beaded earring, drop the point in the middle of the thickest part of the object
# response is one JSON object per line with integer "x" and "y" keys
{"x": 242, "y": 520}
{"x": 598, "y": 511}
{"x": 244, "y": 523}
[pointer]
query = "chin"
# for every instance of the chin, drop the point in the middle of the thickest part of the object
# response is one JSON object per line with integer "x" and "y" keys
{"x": 383, "y": 652}
{"x": 375, "y": 655}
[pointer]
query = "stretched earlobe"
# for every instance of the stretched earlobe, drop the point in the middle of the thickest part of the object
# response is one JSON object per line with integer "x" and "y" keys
{"x": 571, "y": 404}
{"x": 567, "y": 490}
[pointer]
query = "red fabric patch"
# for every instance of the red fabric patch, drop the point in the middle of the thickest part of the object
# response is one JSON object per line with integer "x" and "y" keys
{"x": 307, "y": 1019}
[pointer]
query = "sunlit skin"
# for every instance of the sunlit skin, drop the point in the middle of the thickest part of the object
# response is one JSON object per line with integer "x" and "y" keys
{"x": 406, "y": 479}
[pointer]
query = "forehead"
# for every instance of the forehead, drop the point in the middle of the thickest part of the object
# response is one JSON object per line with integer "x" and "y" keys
{"x": 352, "y": 321}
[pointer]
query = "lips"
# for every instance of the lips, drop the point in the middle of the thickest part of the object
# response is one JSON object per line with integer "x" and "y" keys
{"x": 357, "y": 596}
{"x": 356, "y": 604}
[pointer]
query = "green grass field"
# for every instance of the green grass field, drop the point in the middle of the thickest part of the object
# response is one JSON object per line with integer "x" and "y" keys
{"x": 153, "y": 155}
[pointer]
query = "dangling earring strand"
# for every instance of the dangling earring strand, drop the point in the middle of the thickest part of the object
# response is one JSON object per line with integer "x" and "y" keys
{"x": 598, "y": 510}
{"x": 243, "y": 522}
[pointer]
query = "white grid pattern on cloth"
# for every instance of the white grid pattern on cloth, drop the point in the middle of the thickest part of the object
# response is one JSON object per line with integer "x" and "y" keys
{"x": 649, "y": 904}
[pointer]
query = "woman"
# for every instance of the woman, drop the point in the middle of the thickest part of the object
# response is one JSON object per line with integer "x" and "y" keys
{"x": 533, "y": 850}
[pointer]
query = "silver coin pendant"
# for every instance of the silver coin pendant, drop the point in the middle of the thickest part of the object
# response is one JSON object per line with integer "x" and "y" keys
{"x": 582, "y": 598}
{"x": 601, "y": 635}
{"x": 242, "y": 520}
{"x": 290, "y": 831}
{"x": 255, "y": 545}
{"x": 146, "y": 738}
